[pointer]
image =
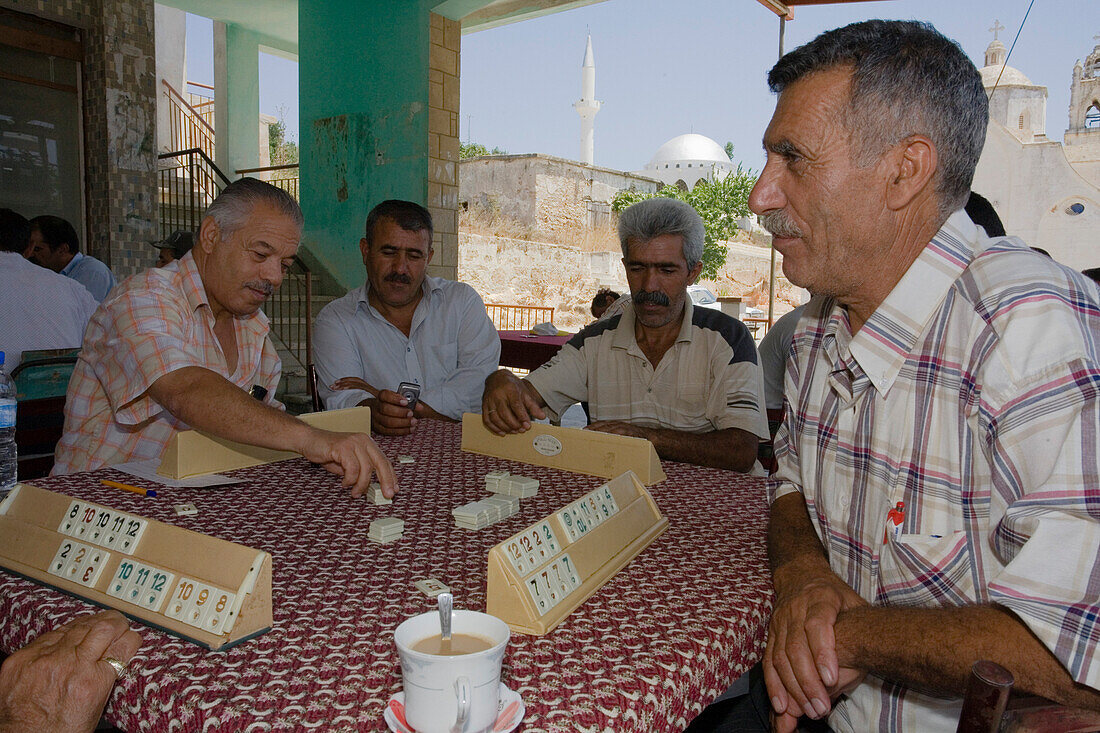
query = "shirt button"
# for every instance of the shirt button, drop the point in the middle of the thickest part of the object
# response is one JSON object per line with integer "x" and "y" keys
{"x": 649, "y": 389}
{"x": 408, "y": 348}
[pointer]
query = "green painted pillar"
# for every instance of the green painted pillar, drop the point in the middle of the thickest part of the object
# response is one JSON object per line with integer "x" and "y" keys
{"x": 363, "y": 111}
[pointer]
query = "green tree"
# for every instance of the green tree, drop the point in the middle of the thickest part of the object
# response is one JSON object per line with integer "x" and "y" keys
{"x": 719, "y": 203}
{"x": 282, "y": 151}
{"x": 473, "y": 150}
{"x": 729, "y": 150}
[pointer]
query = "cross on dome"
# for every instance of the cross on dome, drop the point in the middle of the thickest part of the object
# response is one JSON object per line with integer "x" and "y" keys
{"x": 997, "y": 27}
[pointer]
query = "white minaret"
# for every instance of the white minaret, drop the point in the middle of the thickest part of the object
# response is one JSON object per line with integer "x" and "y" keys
{"x": 588, "y": 105}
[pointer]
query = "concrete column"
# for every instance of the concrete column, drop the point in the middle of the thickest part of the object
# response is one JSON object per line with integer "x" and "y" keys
{"x": 237, "y": 98}
{"x": 367, "y": 120}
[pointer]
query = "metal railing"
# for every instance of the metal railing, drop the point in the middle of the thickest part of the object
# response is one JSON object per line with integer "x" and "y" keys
{"x": 187, "y": 128}
{"x": 290, "y": 311}
{"x": 517, "y": 317}
{"x": 189, "y": 182}
{"x": 203, "y": 104}
{"x": 280, "y": 176}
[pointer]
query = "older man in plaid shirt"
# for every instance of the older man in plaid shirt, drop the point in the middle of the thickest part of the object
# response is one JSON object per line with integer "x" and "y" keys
{"x": 186, "y": 346}
{"x": 937, "y": 496}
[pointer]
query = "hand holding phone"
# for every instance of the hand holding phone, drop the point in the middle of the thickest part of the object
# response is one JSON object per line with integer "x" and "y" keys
{"x": 410, "y": 391}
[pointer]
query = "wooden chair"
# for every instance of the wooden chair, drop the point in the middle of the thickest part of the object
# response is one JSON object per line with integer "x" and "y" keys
{"x": 517, "y": 317}
{"x": 314, "y": 394}
{"x": 988, "y": 708}
{"x": 39, "y": 424}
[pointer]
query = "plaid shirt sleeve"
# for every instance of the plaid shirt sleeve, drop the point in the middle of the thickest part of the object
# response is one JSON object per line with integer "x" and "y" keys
{"x": 147, "y": 339}
{"x": 1044, "y": 444}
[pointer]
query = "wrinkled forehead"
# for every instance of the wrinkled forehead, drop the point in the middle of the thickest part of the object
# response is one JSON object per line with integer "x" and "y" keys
{"x": 661, "y": 249}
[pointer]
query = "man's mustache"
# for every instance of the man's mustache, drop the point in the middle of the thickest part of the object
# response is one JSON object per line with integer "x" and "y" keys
{"x": 262, "y": 285}
{"x": 398, "y": 277}
{"x": 780, "y": 225}
{"x": 656, "y": 297}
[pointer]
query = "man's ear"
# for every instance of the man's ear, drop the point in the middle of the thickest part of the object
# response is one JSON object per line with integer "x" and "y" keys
{"x": 208, "y": 234}
{"x": 913, "y": 164}
{"x": 364, "y": 247}
{"x": 693, "y": 273}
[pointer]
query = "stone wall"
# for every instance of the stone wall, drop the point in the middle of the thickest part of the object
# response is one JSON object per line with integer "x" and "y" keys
{"x": 443, "y": 155}
{"x": 119, "y": 117}
{"x": 553, "y": 198}
{"x": 522, "y": 272}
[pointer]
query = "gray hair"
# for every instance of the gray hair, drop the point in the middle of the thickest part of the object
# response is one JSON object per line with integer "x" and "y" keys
{"x": 234, "y": 204}
{"x": 907, "y": 79}
{"x": 653, "y": 217}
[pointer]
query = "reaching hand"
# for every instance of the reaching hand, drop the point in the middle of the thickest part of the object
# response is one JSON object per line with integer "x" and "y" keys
{"x": 355, "y": 457}
{"x": 508, "y": 404}
{"x": 60, "y": 681}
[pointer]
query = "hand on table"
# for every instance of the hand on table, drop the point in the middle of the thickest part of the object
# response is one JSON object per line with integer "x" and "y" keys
{"x": 508, "y": 404}
{"x": 355, "y": 457}
{"x": 59, "y": 682}
{"x": 801, "y": 667}
{"x": 618, "y": 427}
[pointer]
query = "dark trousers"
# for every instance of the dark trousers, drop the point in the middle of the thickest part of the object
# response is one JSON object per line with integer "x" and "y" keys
{"x": 748, "y": 712}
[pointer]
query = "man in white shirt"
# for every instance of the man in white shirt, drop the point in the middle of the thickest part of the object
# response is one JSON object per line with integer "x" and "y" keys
{"x": 403, "y": 326}
{"x": 39, "y": 309}
{"x": 54, "y": 245}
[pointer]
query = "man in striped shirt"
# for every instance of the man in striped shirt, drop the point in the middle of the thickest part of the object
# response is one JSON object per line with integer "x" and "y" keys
{"x": 685, "y": 378}
{"x": 937, "y": 496}
{"x": 186, "y": 346}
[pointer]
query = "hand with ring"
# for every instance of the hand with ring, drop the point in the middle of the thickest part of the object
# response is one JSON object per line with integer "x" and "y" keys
{"x": 62, "y": 679}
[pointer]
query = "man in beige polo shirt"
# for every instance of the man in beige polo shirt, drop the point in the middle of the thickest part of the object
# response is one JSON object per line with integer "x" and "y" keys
{"x": 686, "y": 379}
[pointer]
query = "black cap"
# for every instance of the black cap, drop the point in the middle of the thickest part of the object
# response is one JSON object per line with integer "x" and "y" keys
{"x": 180, "y": 241}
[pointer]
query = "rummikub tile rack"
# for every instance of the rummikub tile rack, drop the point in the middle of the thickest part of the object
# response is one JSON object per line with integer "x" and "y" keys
{"x": 542, "y": 574}
{"x": 569, "y": 449}
{"x": 193, "y": 452}
{"x": 209, "y": 591}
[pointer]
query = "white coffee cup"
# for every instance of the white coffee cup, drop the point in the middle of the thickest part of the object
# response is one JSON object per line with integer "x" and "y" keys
{"x": 459, "y": 691}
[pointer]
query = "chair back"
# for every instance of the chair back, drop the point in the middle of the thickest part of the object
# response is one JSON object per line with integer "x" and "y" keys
{"x": 44, "y": 373}
{"x": 39, "y": 424}
{"x": 314, "y": 395}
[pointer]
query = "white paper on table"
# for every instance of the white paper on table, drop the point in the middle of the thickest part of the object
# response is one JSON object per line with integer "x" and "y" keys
{"x": 148, "y": 471}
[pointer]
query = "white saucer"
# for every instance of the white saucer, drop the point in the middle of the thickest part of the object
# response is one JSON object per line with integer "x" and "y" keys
{"x": 511, "y": 710}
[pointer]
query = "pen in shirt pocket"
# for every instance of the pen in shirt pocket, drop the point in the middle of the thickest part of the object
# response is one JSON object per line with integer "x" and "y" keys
{"x": 894, "y": 518}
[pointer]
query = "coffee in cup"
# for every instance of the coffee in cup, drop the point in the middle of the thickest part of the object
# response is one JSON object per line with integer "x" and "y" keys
{"x": 456, "y": 684}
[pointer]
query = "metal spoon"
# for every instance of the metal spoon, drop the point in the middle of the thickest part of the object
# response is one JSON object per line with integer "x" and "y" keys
{"x": 446, "y": 602}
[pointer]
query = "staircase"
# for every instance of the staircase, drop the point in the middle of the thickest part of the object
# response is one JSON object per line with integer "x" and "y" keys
{"x": 188, "y": 182}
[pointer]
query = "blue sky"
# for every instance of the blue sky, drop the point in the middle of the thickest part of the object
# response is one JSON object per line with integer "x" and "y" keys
{"x": 666, "y": 68}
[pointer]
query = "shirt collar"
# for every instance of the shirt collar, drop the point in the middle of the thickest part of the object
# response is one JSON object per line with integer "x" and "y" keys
{"x": 624, "y": 335}
{"x": 890, "y": 335}
{"x": 72, "y": 263}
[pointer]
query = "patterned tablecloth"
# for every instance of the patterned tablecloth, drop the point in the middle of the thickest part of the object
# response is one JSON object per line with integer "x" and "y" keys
{"x": 647, "y": 652}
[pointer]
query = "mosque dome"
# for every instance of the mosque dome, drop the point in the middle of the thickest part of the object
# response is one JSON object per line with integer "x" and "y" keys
{"x": 689, "y": 147}
{"x": 687, "y": 159}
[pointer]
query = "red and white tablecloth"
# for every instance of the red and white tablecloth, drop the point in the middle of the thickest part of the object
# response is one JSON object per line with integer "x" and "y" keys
{"x": 647, "y": 652}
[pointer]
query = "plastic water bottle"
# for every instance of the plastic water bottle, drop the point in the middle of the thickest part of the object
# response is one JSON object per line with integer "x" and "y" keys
{"x": 9, "y": 459}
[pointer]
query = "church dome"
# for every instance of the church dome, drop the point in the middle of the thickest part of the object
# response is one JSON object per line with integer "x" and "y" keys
{"x": 1010, "y": 77}
{"x": 691, "y": 147}
{"x": 995, "y": 56}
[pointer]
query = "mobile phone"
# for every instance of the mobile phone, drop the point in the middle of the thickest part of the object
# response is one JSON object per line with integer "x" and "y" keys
{"x": 410, "y": 391}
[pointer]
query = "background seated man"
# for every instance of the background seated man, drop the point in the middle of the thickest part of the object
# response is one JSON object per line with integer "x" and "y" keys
{"x": 686, "y": 379}
{"x": 174, "y": 246}
{"x": 39, "y": 309}
{"x": 403, "y": 326}
{"x": 62, "y": 679}
{"x": 187, "y": 346}
{"x": 55, "y": 246}
{"x": 602, "y": 301}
